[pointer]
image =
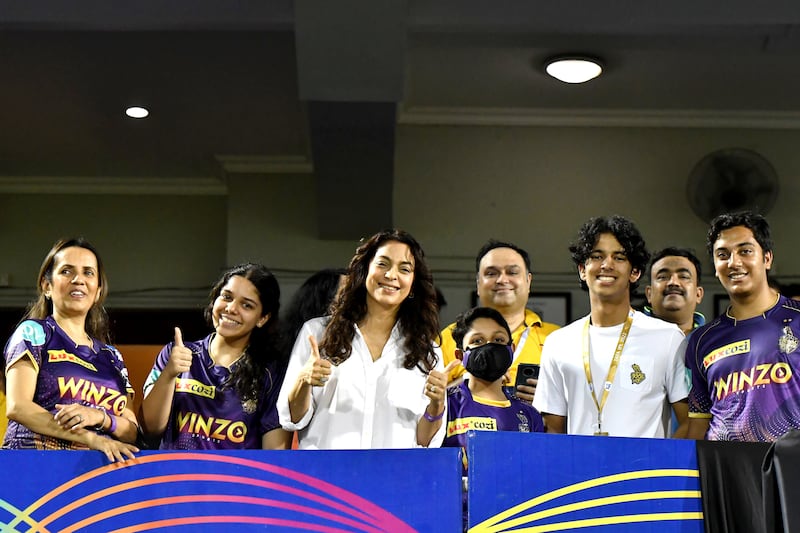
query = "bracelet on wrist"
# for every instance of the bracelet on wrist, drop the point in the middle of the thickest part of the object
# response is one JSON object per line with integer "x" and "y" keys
{"x": 113, "y": 426}
{"x": 102, "y": 424}
{"x": 430, "y": 418}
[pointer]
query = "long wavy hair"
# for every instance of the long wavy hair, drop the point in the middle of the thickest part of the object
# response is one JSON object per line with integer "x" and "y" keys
{"x": 265, "y": 343}
{"x": 97, "y": 318}
{"x": 418, "y": 314}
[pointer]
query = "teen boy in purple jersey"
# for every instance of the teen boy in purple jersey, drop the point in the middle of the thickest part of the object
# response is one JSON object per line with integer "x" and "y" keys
{"x": 744, "y": 363}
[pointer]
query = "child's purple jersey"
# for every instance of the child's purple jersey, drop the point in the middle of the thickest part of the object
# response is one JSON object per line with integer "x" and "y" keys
{"x": 745, "y": 374}
{"x": 464, "y": 412}
{"x": 206, "y": 414}
{"x": 94, "y": 376}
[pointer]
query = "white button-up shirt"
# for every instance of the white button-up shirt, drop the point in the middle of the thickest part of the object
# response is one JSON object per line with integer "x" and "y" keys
{"x": 365, "y": 404}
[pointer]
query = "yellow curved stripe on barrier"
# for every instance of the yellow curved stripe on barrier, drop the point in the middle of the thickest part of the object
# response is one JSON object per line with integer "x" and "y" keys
{"x": 605, "y": 521}
{"x": 487, "y": 524}
{"x": 597, "y": 502}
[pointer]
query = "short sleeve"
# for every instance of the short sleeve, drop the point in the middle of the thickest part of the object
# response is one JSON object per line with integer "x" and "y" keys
{"x": 119, "y": 364}
{"x": 269, "y": 414}
{"x": 550, "y": 392}
{"x": 158, "y": 367}
{"x": 699, "y": 400}
{"x": 677, "y": 386}
{"x": 27, "y": 340}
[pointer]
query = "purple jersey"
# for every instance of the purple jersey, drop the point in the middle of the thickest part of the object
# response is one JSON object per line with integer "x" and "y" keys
{"x": 95, "y": 376}
{"x": 464, "y": 412}
{"x": 208, "y": 414}
{"x": 744, "y": 374}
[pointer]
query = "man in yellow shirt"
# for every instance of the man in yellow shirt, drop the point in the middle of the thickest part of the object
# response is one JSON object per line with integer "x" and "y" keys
{"x": 504, "y": 283}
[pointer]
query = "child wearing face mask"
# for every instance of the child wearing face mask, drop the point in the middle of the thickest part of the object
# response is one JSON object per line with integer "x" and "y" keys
{"x": 480, "y": 402}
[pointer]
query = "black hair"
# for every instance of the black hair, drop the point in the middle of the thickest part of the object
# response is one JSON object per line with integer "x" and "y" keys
{"x": 266, "y": 344}
{"x": 491, "y": 244}
{"x": 750, "y": 220}
{"x": 313, "y": 299}
{"x": 674, "y": 251}
{"x": 464, "y": 323}
{"x": 623, "y": 230}
{"x": 418, "y": 314}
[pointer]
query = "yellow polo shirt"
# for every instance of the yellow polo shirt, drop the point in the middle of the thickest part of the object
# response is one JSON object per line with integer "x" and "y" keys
{"x": 531, "y": 350}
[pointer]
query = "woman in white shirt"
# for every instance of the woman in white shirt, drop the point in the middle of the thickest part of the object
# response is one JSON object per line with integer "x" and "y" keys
{"x": 370, "y": 375}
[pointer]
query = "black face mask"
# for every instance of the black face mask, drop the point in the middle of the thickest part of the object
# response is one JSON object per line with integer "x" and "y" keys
{"x": 488, "y": 362}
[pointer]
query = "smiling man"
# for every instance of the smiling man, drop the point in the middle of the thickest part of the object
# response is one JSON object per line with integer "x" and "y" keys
{"x": 616, "y": 371}
{"x": 744, "y": 363}
{"x": 674, "y": 290}
{"x": 503, "y": 279}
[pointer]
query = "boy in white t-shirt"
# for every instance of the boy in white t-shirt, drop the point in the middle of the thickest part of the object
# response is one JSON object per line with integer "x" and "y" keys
{"x": 616, "y": 371}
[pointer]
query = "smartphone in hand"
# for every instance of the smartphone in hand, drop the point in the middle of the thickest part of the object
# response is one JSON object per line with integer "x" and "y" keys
{"x": 525, "y": 371}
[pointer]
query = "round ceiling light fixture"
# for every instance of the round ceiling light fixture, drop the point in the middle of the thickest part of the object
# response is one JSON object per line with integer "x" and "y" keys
{"x": 137, "y": 112}
{"x": 573, "y": 68}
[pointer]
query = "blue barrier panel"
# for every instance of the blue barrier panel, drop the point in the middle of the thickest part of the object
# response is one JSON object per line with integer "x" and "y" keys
{"x": 330, "y": 491}
{"x": 535, "y": 482}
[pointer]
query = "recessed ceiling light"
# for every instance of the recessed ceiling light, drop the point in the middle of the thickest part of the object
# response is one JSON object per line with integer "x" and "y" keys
{"x": 137, "y": 112}
{"x": 573, "y": 69}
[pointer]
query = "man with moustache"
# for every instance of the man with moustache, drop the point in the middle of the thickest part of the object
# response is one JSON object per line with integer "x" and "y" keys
{"x": 503, "y": 279}
{"x": 673, "y": 295}
{"x": 674, "y": 291}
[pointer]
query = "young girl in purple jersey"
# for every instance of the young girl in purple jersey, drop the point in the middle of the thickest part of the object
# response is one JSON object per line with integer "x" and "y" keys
{"x": 66, "y": 387}
{"x": 220, "y": 392}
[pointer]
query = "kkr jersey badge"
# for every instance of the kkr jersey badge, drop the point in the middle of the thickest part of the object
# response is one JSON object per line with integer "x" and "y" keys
{"x": 524, "y": 425}
{"x": 249, "y": 406}
{"x": 787, "y": 343}
{"x": 637, "y": 376}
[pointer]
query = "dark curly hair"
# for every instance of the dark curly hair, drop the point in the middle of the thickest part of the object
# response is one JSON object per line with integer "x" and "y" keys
{"x": 249, "y": 374}
{"x": 750, "y": 220}
{"x": 417, "y": 315}
{"x": 623, "y": 230}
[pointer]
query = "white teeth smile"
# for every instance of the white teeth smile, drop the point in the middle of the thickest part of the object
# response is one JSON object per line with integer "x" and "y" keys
{"x": 226, "y": 320}
{"x": 388, "y": 287}
{"x": 77, "y": 293}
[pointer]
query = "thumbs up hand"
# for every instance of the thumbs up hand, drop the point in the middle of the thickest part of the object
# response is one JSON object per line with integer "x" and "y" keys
{"x": 180, "y": 357}
{"x": 317, "y": 370}
{"x": 436, "y": 384}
